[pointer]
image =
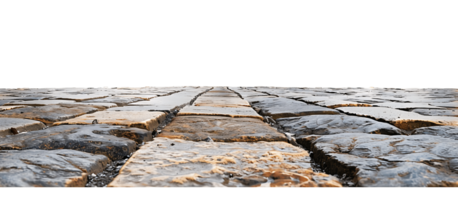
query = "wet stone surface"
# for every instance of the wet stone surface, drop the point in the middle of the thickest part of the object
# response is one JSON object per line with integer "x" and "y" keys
{"x": 139, "y": 119}
{"x": 13, "y": 126}
{"x": 178, "y": 163}
{"x": 49, "y": 114}
{"x": 442, "y": 131}
{"x": 371, "y": 160}
{"x": 437, "y": 112}
{"x": 282, "y": 107}
{"x": 48, "y": 168}
{"x": 97, "y": 139}
{"x": 335, "y": 124}
{"x": 221, "y": 129}
{"x": 401, "y": 119}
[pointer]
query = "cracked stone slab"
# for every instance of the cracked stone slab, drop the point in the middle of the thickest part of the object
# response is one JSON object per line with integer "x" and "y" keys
{"x": 49, "y": 114}
{"x": 39, "y": 102}
{"x": 437, "y": 112}
{"x": 442, "y": 131}
{"x": 139, "y": 119}
{"x": 11, "y": 98}
{"x": 220, "y": 111}
{"x": 96, "y": 139}
{"x": 3, "y": 108}
{"x": 3, "y": 102}
{"x": 139, "y": 108}
{"x": 282, "y": 107}
{"x": 169, "y": 103}
{"x": 405, "y": 105}
{"x": 221, "y": 102}
{"x": 44, "y": 168}
{"x": 178, "y": 163}
{"x": 401, "y": 119}
{"x": 21, "y": 125}
{"x": 220, "y": 129}
{"x": 120, "y": 101}
{"x": 335, "y": 124}
{"x": 335, "y": 103}
{"x": 371, "y": 160}
{"x": 100, "y": 106}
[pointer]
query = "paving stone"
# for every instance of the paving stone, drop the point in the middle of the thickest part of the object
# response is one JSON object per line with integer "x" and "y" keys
{"x": 372, "y": 160}
{"x": 404, "y": 106}
{"x": 220, "y": 111}
{"x": 221, "y": 129}
{"x": 39, "y": 102}
{"x": 221, "y": 102}
{"x": 401, "y": 119}
{"x": 245, "y": 94}
{"x": 282, "y": 107}
{"x": 3, "y": 102}
{"x": 446, "y": 105}
{"x": 141, "y": 96}
{"x": 138, "y": 108}
{"x": 335, "y": 124}
{"x": 97, "y": 139}
{"x": 139, "y": 119}
{"x": 78, "y": 97}
{"x": 437, "y": 112}
{"x": 49, "y": 114}
{"x": 178, "y": 163}
{"x": 99, "y": 106}
{"x": 21, "y": 125}
{"x": 11, "y": 98}
{"x": 335, "y": 103}
{"x": 442, "y": 131}
{"x": 257, "y": 99}
{"x": 41, "y": 168}
{"x": 3, "y": 108}
{"x": 220, "y": 94}
{"x": 120, "y": 101}
{"x": 169, "y": 103}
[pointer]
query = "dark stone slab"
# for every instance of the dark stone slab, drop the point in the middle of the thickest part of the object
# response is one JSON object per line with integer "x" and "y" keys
{"x": 49, "y": 114}
{"x": 335, "y": 124}
{"x": 3, "y": 102}
{"x": 97, "y": 139}
{"x": 437, "y": 112}
{"x": 120, "y": 101}
{"x": 372, "y": 160}
{"x": 19, "y": 125}
{"x": 442, "y": 131}
{"x": 44, "y": 168}
{"x": 282, "y": 107}
{"x": 221, "y": 129}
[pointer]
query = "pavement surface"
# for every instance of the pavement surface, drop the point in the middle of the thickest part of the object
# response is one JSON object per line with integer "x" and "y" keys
{"x": 228, "y": 137}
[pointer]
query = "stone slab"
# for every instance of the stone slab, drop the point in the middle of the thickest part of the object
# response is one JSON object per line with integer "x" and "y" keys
{"x": 39, "y": 102}
{"x": 78, "y": 97}
{"x": 3, "y": 102}
{"x": 221, "y": 102}
{"x": 49, "y": 114}
{"x": 44, "y": 168}
{"x": 437, "y": 112}
{"x": 446, "y": 105}
{"x": 220, "y": 111}
{"x": 3, "y": 108}
{"x": 335, "y": 124}
{"x": 282, "y": 107}
{"x": 139, "y": 119}
{"x": 442, "y": 131}
{"x": 100, "y": 106}
{"x": 140, "y": 108}
{"x": 401, "y": 119}
{"x": 335, "y": 103}
{"x": 220, "y": 129}
{"x": 219, "y": 94}
{"x": 178, "y": 163}
{"x": 372, "y": 160}
{"x": 97, "y": 139}
{"x": 120, "y": 101}
{"x": 405, "y": 105}
{"x": 21, "y": 125}
{"x": 141, "y": 96}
